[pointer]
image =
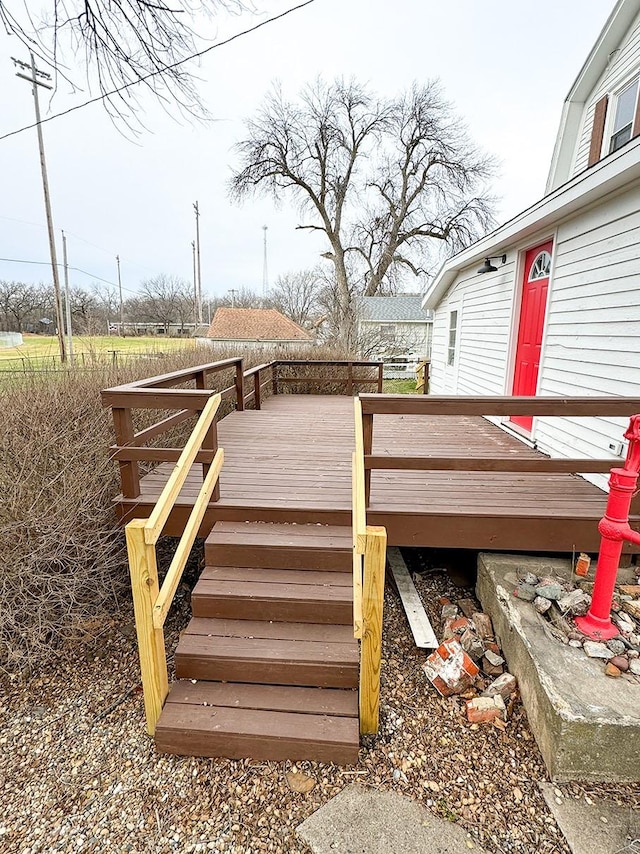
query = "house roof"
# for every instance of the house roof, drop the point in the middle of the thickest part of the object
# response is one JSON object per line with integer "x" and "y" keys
{"x": 254, "y": 324}
{"x": 612, "y": 34}
{"x": 406, "y": 308}
{"x": 612, "y": 174}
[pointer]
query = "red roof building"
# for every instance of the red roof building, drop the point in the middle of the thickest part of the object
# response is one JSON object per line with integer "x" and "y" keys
{"x": 256, "y": 326}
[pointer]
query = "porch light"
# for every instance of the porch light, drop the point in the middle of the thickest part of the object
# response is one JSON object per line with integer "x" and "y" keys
{"x": 488, "y": 267}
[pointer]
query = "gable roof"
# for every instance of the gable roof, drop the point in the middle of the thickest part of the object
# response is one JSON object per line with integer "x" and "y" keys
{"x": 610, "y": 38}
{"x": 254, "y": 324}
{"x": 405, "y": 308}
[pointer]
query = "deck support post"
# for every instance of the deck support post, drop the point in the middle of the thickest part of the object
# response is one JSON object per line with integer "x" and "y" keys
{"x": 145, "y": 589}
{"x": 239, "y": 382}
{"x": 257, "y": 401}
{"x": 380, "y": 376}
{"x": 129, "y": 472}
{"x": 350, "y": 379}
{"x": 274, "y": 378}
{"x": 371, "y": 648}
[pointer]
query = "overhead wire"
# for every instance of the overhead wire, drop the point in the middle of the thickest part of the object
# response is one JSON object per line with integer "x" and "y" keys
{"x": 70, "y": 267}
{"x": 151, "y": 74}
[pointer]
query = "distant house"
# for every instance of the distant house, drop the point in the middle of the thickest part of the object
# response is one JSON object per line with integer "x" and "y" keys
{"x": 549, "y": 303}
{"x": 394, "y": 327}
{"x": 256, "y": 328}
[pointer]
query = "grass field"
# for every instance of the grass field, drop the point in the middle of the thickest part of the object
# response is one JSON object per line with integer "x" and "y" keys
{"x": 40, "y": 351}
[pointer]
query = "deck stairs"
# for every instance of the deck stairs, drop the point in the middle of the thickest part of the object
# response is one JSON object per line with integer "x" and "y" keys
{"x": 268, "y": 666}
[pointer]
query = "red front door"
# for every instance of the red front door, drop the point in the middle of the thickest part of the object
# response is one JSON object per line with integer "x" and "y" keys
{"x": 535, "y": 286}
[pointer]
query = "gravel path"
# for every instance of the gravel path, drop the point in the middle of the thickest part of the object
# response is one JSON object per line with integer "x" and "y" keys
{"x": 79, "y": 774}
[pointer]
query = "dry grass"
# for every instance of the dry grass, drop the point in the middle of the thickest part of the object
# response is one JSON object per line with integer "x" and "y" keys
{"x": 64, "y": 563}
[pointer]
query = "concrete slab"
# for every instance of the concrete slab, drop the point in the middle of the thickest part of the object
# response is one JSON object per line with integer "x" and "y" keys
{"x": 587, "y": 726}
{"x": 601, "y": 827}
{"x": 367, "y": 821}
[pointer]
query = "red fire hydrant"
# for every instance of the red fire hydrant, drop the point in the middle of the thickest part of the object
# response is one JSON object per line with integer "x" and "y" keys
{"x": 614, "y": 528}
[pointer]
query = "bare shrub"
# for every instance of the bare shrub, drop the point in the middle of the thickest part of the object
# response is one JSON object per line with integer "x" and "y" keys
{"x": 64, "y": 561}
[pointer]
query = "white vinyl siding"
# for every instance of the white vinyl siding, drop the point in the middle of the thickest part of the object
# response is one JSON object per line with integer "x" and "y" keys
{"x": 623, "y": 67}
{"x": 593, "y": 325}
{"x": 483, "y": 303}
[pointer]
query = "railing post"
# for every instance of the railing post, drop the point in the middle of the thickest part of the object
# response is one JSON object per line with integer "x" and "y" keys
{"x": 256, "y": 390}
{"x": 350, "y": 379}
{"x": 144, "y": 586}
{"x": 427, "y": 365}
{"x": 367, "y": 435}
{"x": 371, "y": 647}
{"x": 380, "y": 377}
{"x": 129, "y": 472}
{"x": 274, "y": 378}
{"x": 239, "y": 386}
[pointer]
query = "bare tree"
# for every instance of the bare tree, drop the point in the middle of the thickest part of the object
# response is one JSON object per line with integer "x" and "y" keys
{"x": 380, "y": 178}
{"x": 20, "y": 303}
{"x": 297, "y": 295}
{"x": 163, "y": 300}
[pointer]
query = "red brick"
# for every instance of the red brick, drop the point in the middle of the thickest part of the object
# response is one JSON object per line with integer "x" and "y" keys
{"x": 485, "y": 709}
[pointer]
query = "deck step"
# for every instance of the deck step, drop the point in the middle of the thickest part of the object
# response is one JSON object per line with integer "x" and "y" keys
{"x": 261, "y": 722}
{"x": 304, "y": 547}
{"x": 283, "y": 595}
{"x": 288, "y": 655}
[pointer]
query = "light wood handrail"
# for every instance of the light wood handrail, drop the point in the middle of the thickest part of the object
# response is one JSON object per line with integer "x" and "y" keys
{"x": 176, "y": 568}
{"x": 164, "y": 504}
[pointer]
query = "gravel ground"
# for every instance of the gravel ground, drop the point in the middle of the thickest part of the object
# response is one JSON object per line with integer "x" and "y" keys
{"x": 78, "y": 772}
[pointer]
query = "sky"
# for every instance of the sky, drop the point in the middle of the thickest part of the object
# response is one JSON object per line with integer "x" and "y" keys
{"x": 506, "y": 66}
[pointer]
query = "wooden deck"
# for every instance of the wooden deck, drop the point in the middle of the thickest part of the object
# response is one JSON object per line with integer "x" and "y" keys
{"x": 291, "y": 462}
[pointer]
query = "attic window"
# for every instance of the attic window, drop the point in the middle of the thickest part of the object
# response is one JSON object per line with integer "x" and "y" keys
{"x": 541, "y": 267}
{"x": 622, "y": 128}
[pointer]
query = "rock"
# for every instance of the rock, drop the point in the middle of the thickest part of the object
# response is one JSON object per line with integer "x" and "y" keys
{"x": 486, "y": 709}
{"x": 541, "y": 604}
{"x": 634, "y": 666}
{"x": 472, "y": 644}
{"x": 530, "y": 578}
{"x": 575, "y": 643}
{"x": 616, "y": 646}
{"x": 576, "y": 598}
{"x": 632, "y": 608}
{"x": 493, "y": 658}
{"x": 299, "y": 782}
{"x": 449, "y": 669}
{"x": 634, "y": 638}
{"x": 630, "y": 589}
{"x": 549, "y": 591}
{"x": 468, "y": 607}
{"x": 526, "y": 592}
{"x": 624, "y": 623}
{"x": 594, "y": 649}
{"x": 633, "y": 653}
{"x": 483, "y": 625}
{"x": 612, "y": 670}
{"x": 621, "y": 662}
{"x": 449, "y": 612}
{"x": 504, "y": 685}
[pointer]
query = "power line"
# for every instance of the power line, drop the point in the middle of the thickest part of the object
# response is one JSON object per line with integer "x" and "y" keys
{"x": 76, "y": 269}
{"x": 166, "y": 68}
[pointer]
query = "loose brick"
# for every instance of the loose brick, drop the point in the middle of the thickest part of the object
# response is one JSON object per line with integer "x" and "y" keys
{"x": 486, "y": 709}
{"x": 449, "y": 669}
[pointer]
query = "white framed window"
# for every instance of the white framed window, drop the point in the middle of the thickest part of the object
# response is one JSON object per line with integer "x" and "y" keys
{"x": 623, "y": 112}
{"x": 541, "y": 267}
{"x": 388, "y": 332}
{"x": 453, "y": 337}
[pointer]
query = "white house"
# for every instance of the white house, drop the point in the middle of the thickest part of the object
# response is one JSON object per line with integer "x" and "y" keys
{"x": 395, "y": 326}
{"x": 549, "y": 303}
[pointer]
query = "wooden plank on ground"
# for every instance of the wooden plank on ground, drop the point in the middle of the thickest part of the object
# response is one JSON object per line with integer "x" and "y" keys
{"x": 421, "y": 628}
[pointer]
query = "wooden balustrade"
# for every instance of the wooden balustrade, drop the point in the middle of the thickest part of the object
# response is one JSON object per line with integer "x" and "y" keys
{"x": 461, "y": 406}
{"x": 151, "y": 603}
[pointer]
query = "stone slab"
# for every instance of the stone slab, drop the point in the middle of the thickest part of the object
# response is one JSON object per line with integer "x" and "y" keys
{"x": 367, "y": 820}
{"x": 601, "y": 827}
{"x": 587, "y": 726}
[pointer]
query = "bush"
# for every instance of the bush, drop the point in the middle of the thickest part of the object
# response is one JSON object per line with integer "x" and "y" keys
{"x": 64, "y": 556}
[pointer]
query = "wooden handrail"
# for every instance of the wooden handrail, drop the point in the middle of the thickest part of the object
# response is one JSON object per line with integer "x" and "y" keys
{"x": 553, "y": 465}
{"x": 176, "y": 568}
{"x": 407, "y": 404}
{"x": 151, "y": 604}
{"x": 174, "y": 484}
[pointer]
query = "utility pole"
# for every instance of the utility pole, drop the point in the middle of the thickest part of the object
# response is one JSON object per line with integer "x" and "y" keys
{"x": 265, "y": 275}
{"x": 67, "y": 301}
{"x": 120, "y": 294}
{"x": 199, "y": 284}
{"x": 195, "y": 285}
{"x": 41, "y": 78}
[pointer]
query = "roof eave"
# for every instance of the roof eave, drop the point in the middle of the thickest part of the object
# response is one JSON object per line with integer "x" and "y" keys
{"x": 609, "y": 175}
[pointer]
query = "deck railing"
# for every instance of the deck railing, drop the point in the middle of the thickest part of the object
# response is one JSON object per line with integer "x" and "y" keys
{"x": 369, "y": 561}
{"x": 460, "y": 406}
{"x": 151, "y": 603}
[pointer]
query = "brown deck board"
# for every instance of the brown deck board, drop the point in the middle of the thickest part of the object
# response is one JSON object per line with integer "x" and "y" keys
{"x": 291, "y": 462}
